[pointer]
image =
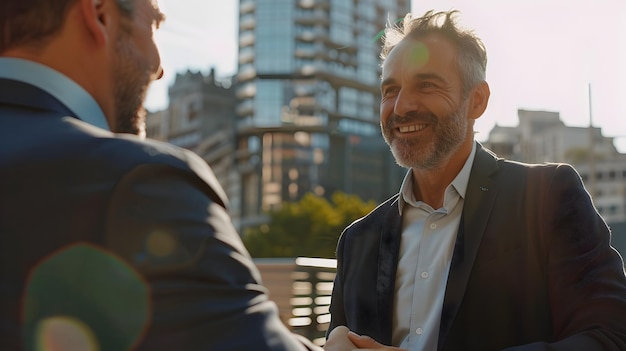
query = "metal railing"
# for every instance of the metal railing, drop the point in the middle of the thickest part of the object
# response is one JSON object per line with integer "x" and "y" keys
{"x": 312, "y": 288}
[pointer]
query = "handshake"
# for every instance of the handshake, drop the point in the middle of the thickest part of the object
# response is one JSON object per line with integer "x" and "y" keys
{"x": 342, "y": 339}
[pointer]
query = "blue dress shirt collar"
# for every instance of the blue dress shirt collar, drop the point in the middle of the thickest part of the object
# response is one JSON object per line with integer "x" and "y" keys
{"x": 56, "y": 84}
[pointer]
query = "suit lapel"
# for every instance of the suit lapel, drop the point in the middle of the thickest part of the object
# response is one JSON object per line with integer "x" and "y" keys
{"x": 387, "y": 265}
{"x": 479, "y": 198}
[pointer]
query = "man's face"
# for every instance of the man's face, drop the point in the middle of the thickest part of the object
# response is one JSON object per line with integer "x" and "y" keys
{"x": 423, "y": 113}
{"x": 136, "y": 65}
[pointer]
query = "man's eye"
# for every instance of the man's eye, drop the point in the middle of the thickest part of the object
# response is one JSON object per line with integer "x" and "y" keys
{"x": 426, "y": 85}
{"x": 392, "y": 90}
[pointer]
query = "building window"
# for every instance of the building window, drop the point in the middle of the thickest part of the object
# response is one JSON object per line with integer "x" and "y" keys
{"x": 269, "y": 102}
{"x": 274, "y": 37}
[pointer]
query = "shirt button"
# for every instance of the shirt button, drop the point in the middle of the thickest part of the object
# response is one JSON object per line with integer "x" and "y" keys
{"x": 424, "y": 275}
{"x": 419, "y": 331}
{"x": 433, "y": 226}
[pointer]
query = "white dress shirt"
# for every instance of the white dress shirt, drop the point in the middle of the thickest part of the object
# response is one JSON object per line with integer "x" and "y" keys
{"x": 428, "y": 237}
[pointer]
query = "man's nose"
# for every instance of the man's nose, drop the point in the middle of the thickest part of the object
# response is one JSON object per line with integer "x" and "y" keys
{"x": 406, "y": 101}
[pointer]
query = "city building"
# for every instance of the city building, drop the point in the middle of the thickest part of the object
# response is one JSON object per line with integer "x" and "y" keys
{"x": 541, "y": 136}
{"x": 200, "y": 117}
{"x": 307, "y": 101}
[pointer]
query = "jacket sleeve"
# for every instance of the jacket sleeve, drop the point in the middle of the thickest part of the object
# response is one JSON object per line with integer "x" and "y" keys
{"x": 337, "y": 313}
{"x": 170, "y": 225}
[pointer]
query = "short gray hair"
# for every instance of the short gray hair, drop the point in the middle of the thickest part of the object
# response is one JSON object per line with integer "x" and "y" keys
{"x": 472, "y": 55}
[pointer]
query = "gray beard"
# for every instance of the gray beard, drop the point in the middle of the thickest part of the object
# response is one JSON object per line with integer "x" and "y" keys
{"x": 448, "y": 138}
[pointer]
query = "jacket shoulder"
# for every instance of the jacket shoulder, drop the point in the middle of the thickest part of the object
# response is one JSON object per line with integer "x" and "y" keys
{"x": 375, "y": 218}
{"x": 125, "y": 153}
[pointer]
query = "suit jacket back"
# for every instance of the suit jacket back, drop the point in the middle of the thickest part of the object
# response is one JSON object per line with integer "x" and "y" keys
{"x": 156, "y": 211}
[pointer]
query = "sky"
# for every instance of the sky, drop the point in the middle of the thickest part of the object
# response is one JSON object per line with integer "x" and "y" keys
{"x": 566, "y": 56}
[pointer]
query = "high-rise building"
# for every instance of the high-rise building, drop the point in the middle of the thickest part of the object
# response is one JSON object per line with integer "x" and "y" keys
{"x": 308, "y": 100}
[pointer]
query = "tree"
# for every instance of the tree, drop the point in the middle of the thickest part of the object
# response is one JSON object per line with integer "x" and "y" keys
{"x": 310, "y": 227}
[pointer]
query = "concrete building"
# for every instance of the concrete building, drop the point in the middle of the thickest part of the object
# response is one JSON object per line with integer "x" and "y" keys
{"x": 541, "y": 136}
{"x": 156, "y": 125}
{"x": 200, "y": 117}
{"x": 605, "y": 180}
{"x": 308, "y": 96}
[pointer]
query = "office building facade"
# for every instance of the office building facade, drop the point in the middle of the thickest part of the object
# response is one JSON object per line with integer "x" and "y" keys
{"x": 308, "y": 100}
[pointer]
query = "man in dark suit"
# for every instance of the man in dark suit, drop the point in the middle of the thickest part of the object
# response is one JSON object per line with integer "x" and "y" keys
{"x": 475, "y": 252}
{"x": 108, "y": 241}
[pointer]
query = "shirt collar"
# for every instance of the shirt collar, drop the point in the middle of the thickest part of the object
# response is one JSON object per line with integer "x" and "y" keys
{"x": 459, "y": 183}
{"x": 56, "y": 84}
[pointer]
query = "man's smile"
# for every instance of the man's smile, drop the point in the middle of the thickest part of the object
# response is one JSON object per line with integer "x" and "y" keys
{"x": 412, "y": 128}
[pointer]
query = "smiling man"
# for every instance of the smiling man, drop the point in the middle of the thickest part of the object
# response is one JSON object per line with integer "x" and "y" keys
{"x": 475, "y": 252}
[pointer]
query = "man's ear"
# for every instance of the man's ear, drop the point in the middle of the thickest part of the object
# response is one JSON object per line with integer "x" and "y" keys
{"x": 479, "y": 97}
{"x": 96, "y": 19}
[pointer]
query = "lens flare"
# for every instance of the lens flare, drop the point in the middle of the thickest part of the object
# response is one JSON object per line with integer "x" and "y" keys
{"x": 419, "y": 54}
{"x": 65, "y": 333}
{"x": 84, "y": 297}
{"x": 161, "y": 244}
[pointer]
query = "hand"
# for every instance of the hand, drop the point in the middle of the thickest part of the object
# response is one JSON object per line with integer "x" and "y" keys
{"x": 342, "y": 339}
{"x": 338, "y": 340}
{"x": 364, "y": 342}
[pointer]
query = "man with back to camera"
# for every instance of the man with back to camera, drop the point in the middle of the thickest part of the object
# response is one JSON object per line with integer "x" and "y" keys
{"x": 475, "y": 252}
{"x": 108, "y": 241}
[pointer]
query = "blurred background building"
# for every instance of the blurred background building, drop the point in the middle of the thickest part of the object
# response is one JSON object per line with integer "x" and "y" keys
{"x": 308, "y": 94}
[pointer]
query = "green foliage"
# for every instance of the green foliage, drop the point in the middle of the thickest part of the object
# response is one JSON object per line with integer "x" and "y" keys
{"x": 310, "y": 227}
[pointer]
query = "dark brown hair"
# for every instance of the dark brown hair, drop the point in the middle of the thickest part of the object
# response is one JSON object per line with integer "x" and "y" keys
{"x": 33, "y": 22}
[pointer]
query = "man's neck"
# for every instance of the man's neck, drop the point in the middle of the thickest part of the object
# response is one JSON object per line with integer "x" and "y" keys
{"x": 429, "y": 185}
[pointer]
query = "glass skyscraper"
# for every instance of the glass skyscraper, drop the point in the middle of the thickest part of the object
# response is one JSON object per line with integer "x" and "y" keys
{"x": 308, "y": 100}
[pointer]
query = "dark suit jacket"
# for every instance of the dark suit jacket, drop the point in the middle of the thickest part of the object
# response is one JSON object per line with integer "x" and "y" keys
{"x": 532, "y": 267}
{"x": 73, "y": 196}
